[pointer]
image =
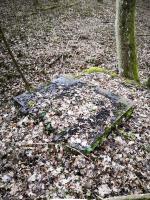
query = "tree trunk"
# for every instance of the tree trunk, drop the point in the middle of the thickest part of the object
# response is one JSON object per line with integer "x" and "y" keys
{"x": 125, "y": 39}
{"x": 27, "y": 84}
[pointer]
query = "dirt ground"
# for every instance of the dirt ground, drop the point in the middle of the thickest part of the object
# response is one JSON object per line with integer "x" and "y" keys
{"x": 59, "y": 37}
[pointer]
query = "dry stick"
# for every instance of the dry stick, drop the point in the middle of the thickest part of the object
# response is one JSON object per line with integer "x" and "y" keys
{"x": 38, "y": 143}
{"x": 131, "y": 197}
{"x": 79, "y": 152}
{"x": 27, "y": 84}
{"x": 56, "y": 6}
{"x": 54, "y": 61}
{"x": 57, "y": 59}
{"x": 98, "y": 197}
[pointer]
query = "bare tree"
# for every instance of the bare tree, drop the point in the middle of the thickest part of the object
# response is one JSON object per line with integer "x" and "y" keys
{"x": 125, "y": 39}
{"x": 27, "y": 84}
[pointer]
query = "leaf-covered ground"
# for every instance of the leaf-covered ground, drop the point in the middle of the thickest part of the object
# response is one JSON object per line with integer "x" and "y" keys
{"x": 69, "y": 37}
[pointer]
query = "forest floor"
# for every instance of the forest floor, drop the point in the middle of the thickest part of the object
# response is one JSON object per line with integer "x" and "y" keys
{"x": 60, "y": 38}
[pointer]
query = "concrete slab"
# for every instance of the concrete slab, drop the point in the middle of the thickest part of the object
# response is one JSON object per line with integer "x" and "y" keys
{"x": 75, "y": 111}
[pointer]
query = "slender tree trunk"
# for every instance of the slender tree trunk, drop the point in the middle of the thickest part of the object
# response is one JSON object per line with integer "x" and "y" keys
{"x": 125, "y": 39}
{"x": 27, "y": 84}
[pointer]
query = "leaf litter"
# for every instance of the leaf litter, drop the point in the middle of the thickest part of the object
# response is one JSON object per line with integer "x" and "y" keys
{"x": 31, "y": 166}
{"x": 74, "y": 110}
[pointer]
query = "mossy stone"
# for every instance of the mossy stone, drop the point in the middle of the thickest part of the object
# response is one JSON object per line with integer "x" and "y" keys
{"x": 100, "y": 70}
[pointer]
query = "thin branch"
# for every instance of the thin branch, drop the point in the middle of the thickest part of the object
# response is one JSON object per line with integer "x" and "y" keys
{"x": 55, "y": 60}
{"x": 79, "y": 152}
{"x": 35, "y": 144}
{"x": 27, "y": 84}
{"x": 131, "y": 197}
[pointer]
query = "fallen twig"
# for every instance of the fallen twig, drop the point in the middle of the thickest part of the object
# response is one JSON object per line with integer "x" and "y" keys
{"x": 79, "y": 152}
{"x": 131, "y": 197}
{"x": 34, "y": 144}
{"x": 55, "y": 60}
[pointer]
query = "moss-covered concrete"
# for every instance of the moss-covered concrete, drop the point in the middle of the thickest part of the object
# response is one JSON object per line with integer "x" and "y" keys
{"x": 100, "y": 70}
{"x": 129, "y": 82}
{"x": 99, "y": 141}
{"x": 91, "y": 100}
{"x": 31, "y": 103}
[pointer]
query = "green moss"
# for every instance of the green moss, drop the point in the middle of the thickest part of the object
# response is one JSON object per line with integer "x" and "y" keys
{"x": 146, "y": 148}
{"x": 100, "y": 70}
{"x": 31, "y": 104}
{"x": 128, "y": 114}
{"x": 129, "y": 82}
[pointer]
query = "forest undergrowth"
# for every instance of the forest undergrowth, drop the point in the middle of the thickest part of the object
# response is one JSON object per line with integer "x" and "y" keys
{"x": 60, "y": 38}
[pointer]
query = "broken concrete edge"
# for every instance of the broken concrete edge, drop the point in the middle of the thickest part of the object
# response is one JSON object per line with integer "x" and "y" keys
{"x": 99, "y": 140}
